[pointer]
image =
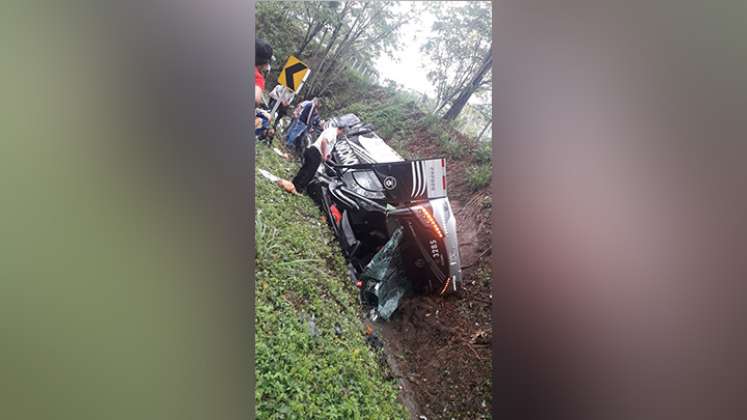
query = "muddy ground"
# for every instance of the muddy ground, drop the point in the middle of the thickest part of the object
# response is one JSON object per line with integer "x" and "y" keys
{"x": 439, "y": 348}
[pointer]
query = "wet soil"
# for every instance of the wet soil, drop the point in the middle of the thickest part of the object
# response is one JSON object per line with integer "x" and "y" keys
{"x": 439, "y": 347}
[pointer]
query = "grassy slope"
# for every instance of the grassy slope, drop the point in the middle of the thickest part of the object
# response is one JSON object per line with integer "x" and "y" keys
{"x": 300, "y": 272}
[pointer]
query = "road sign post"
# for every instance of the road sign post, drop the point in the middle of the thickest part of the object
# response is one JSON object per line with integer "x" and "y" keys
{"x": 274, "y": 109}
{"x": 293, "y": 74}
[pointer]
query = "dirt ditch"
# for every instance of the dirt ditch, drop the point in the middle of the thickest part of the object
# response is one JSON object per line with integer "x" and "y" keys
{"x": 439, "y": 348}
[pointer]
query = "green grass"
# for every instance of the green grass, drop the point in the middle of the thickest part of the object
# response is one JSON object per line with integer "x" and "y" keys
{"x": 451, "y": 147}
{"x": 483, "y": 153}
{"x": 300, "y": 272}
{"x": 479, "y": 176}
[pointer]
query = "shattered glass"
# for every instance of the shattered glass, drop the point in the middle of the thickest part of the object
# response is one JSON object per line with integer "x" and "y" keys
{"x": 386, "y": 273}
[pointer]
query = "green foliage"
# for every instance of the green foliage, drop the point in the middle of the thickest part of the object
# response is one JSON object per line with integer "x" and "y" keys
{"x": 483, "y": 153}
{"x": 342, "y": 66}
{"x": 280, "y": 27}
{"x": 484, "y": 273}
{"x": 453, "y": 149}
{"x": 299, "y": 273}
{"x": 460, "y": 38}
{"x": 478, "y": 177}
{"x": 331, "y": 37}
{"x": 473, "y": 119}
{"x": 431, "y": 120}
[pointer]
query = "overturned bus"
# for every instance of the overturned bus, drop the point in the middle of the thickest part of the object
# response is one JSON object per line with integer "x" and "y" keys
{"x": 391, "y": 216}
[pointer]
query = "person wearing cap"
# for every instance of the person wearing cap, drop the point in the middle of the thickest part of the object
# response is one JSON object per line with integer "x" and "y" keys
{"x": 263, "y": 56}
{"x": 314, "y": 155}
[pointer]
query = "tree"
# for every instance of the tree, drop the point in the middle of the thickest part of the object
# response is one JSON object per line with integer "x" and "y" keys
{"x": 333, "y": 38}
{"x": 316, "y": 17}
{"x": 484, "y": 129}
{"x": 338, "y": 23}
{"x": 371, "y": 28}
{"x": 485, "y": 111}
{"x": 459, "y": 51}
{"x": 476, "y": 82}
{"x": 282, "y": 27}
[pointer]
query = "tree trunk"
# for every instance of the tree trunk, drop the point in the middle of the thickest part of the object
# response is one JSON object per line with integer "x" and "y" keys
{"x": 446, "y": 94}
{"x": 490, "y": 121}
{"x": 310, "y": 34}
{"x": 322, "y": 40}
{"x": 328, "y": 71}
{"x": 449, "y": 97}
{"x": 329, "y": 82}
{"x": 335, "y": 33}
{"x": 471, "y": 87}
{"x": 443, "y": 104}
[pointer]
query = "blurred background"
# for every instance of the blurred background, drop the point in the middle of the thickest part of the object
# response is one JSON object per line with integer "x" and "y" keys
{"x": 619, "y": 218}
{"x": 125, "y": 169}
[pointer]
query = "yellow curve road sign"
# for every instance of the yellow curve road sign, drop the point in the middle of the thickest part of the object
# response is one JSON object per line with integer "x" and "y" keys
{"x": 293, "y": 74}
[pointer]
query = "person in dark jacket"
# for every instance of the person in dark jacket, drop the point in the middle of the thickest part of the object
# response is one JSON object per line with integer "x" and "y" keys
{"x": 306, "y": 116}
{"x": 310, "y": 112}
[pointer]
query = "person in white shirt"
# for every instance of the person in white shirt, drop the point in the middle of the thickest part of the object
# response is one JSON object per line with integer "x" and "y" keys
{"x": 314, "y": 155}
{"x": 282, "y": 96}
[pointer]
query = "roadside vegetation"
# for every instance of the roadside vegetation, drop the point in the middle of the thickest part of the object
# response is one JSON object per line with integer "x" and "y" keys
{"x": 312, "y": 360}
